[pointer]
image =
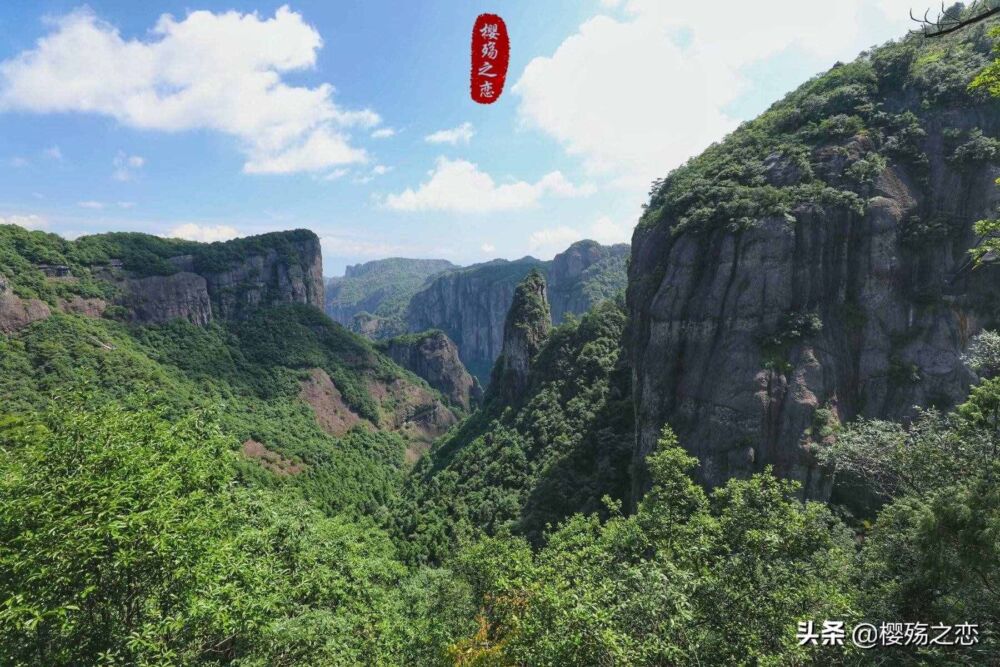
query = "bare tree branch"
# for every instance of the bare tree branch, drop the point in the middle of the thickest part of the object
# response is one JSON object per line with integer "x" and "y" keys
{"x": 957, "y": 17}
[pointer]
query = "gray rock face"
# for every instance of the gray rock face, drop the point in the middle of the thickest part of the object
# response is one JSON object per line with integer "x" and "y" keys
{"x": 17, "y": 313}
{"x": 527, "y": 325}
{"x": 749, "y": 343}
{"x": 434, "y": 357}
{"x": 583, "y": 275}
{"x": 268, "y": 279}
{"x": 160, "y": 299}
{"x": 258, "y": 279}
{"x": 471, "y": 305}
{"x": 371, "y": 298}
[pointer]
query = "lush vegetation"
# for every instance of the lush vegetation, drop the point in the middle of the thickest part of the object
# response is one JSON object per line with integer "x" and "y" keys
{"x": 132, "y": 532}
{"x": 135, "y": 530}
{"x": 559, "y": 450}
{"x": 247, "y": 373}
{"x": 824, "y": 144}
{"x": 380, "y": 290}
{"x": 128, "y": 539}
{"x": 23, "y": 252}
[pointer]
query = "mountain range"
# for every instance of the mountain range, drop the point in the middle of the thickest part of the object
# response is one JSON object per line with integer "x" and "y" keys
{"x": 779, "y": 403}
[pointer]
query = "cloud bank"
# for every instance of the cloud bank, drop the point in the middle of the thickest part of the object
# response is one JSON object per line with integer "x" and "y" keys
{"x": 221, "y": 72}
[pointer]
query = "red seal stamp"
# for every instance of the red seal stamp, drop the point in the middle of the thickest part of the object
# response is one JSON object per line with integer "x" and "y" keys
{"x": 490, "y": 58}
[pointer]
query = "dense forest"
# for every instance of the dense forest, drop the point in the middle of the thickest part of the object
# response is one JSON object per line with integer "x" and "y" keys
{"x": 272, "y": 489}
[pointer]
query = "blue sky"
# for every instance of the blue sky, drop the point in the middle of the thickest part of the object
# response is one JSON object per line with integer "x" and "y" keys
{"x": 219, "y": 119}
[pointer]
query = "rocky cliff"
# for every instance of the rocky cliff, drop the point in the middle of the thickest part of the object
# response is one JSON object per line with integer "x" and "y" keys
{"x": 470, "y": 305}
{"x": 814, "y": 267}
{"x": 159, "y": 299}
{"x": 371, "y": 298}
{"x": 434, "y": 357}
{"x": 17, "y": 313}
{"x": 230, "y": 280}
{"x": 527, "y": 325}
{"x": 584, "y": 275}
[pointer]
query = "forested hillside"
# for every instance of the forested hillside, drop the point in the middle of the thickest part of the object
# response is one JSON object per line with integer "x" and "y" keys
{"x": 199, "y": 467}
{"x": 371, "y": 298}
{"x": 387, "y": 298}
{"x": 815, "y": 265}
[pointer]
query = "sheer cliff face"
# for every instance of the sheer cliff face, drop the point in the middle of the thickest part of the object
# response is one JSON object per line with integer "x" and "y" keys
{"x": 526, "y": 326}
{"x": 370, "y": 299}
{"x": 259, "y": 278}
{"x": 584, "y": 275}
{"x": 471, "y": 305}
{"x": 812, "y": 290}
{"x": 434, "y": 357}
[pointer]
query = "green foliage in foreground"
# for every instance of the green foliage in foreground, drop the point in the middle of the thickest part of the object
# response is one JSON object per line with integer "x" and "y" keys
{"x": 125, "y": 539}
{"x": 689, "y": 579}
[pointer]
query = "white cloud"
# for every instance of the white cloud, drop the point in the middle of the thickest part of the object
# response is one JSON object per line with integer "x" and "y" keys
{"x": 633, "y": 99}
{"x": 335, "y": 245}
{"x": 221, "y": 72}
{"x": 53, "y": 153}
{"x": 91, "y": 204}
{"x": 547, "y": 242}
{"x": 462, "y": 134}
{"x": 459, "y": 186}
{"x": 126, "y": 166}
{"x": 336, "y": 174}
{"x": 30, "y": 221}
{"x": 126, "y": 204}
{"x": 606, "y": 231}
{"x": 203, "y": 233}
{"x": 488, "y": 247}
{"x": 321, "y": 149}
{"x": 380, "y": 170}
{"x": 383, "y": 133}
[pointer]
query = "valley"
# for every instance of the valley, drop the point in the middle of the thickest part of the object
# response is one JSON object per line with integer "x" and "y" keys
{"x": 780, "y": 403}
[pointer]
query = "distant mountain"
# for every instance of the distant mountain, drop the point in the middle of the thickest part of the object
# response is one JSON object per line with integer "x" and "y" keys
{"x": 392, "y": 297}
{"x": 244, "y": 317}
{"x": 470, "y": 305}
{"x": 371, "y": 298}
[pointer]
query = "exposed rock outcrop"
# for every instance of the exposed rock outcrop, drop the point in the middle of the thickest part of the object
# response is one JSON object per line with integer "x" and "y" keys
{"x": 371, "y": 298}
{"x": 586, "y": 273}
{"x": 470, "y": 305}
{"x": 411, "y": 409}
{"x": 271, "y": 460}
{"x": 754, "y": 337}
{"x": 525, "y": 329}
{"x": 332, "y": 413}
{"x": 160, "y": 299}
{"x": 17, "y": 313}
{"x": 80, "y": 306}
{"x": 268, "y": 278}
{"x": 434, "y": 357}
{"x": 247, "y": 277}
